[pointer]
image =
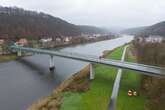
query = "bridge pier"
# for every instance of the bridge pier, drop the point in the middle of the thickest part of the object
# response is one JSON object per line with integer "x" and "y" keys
{"x": 52, "y": 65}
{"x": 19, "y": 53}
{"x": 92, "y": 73}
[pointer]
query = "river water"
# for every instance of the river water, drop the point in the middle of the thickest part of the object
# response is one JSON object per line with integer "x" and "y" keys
{"x": 25, "y": 80}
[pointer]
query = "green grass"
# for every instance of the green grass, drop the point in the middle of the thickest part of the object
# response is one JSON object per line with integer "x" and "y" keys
{"x": 98, "y": 97}
{"x": 5, "y": 58}
{"x": 130, "y": 81}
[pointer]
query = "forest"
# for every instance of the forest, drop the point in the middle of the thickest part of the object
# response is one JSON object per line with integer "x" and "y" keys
{"x": 152, "y": 53}
{"x": 17, "y": 22}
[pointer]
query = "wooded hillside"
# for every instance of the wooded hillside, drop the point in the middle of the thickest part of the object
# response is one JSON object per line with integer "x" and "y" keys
{"x": 17, "y": 22}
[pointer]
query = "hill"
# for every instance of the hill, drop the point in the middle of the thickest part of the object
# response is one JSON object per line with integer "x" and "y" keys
{"x": 156, "y": 29}
{"x": 17, "y": 22}
{"x": 91, "y": 29}
{"x": 133, "y": 31}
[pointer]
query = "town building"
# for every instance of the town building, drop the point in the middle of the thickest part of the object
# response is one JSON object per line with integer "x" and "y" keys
{"x": 58, "y": 39}
{"x": 154, "y": 39}
{"x": 2, "y": 41}
{"x": 67, "y": 39}
{"x": 46, "y": 40}
{"x": 22, "y": 42}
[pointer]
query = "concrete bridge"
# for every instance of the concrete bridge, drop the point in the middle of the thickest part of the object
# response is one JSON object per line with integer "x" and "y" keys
{"x": 144, "y": 69}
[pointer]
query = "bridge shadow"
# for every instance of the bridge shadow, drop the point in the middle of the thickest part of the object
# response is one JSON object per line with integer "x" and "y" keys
{"x": 40, "y": 69}
{"x": 40, "y": 74}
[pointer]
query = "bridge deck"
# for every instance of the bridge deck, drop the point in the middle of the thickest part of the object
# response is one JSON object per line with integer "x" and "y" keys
{"x": 144, "y": 69}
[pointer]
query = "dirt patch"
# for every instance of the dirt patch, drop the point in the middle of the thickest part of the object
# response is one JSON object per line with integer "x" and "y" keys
{"x": 77, "y": 83}
{"x": 80, "y": 81}
{"x": 52, "y": 102}
{"x": 81, "y": 85}
{"x": 106, "y": 52}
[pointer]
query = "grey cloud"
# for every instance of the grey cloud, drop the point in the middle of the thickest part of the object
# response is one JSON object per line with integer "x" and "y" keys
{"x": 109, "y": 13}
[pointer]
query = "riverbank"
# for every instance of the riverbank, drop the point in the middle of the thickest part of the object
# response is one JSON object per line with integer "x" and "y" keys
{"x": 59, "y": 46}
{"x": 98, "y": 96}
{"x": 77, "y": 82}
{"x": 13, "y": 56}
{"x": 79, "y": 93}
{"x": 99, "y": 93}
{"x": 32, "y": 72}
{"x": 9, "y": 57}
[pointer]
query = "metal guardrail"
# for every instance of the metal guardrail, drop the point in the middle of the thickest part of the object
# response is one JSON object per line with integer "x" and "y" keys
{"x": 144, "y": 69}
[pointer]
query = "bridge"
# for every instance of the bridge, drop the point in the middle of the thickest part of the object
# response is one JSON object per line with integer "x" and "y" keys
{"x": 143, "y": 69}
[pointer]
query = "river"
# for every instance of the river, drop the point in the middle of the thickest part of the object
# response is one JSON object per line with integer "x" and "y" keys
{"x": 25, "y": 80}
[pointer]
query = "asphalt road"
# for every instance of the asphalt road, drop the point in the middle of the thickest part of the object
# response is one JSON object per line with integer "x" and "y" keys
{"x": 116, "y": 85}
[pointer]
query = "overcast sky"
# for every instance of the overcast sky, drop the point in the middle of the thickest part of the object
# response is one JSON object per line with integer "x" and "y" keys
{"x": 104, "y": 13}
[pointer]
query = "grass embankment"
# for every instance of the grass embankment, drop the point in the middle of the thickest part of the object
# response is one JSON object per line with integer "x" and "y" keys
{"x": 98, "y": 96}
{"x": 5, "y": 58}
{"x": 77, "y": 82}
{"x": 13, "y": 56}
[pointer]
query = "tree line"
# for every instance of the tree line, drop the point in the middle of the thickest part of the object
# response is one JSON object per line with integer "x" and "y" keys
{"x": 152, "y": 53}
{"x": 17, "y": 22}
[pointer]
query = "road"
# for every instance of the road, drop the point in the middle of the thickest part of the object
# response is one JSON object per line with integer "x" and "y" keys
{"x": 116, "y": 85}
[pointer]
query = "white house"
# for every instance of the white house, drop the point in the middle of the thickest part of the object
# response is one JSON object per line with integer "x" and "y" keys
{"x": 58, "y": 39}
{"x": 2, "y": 41}
{"x": 154, "y": 39}
{"x": 67, "y": 39}
{"x": 46, "y": 40}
